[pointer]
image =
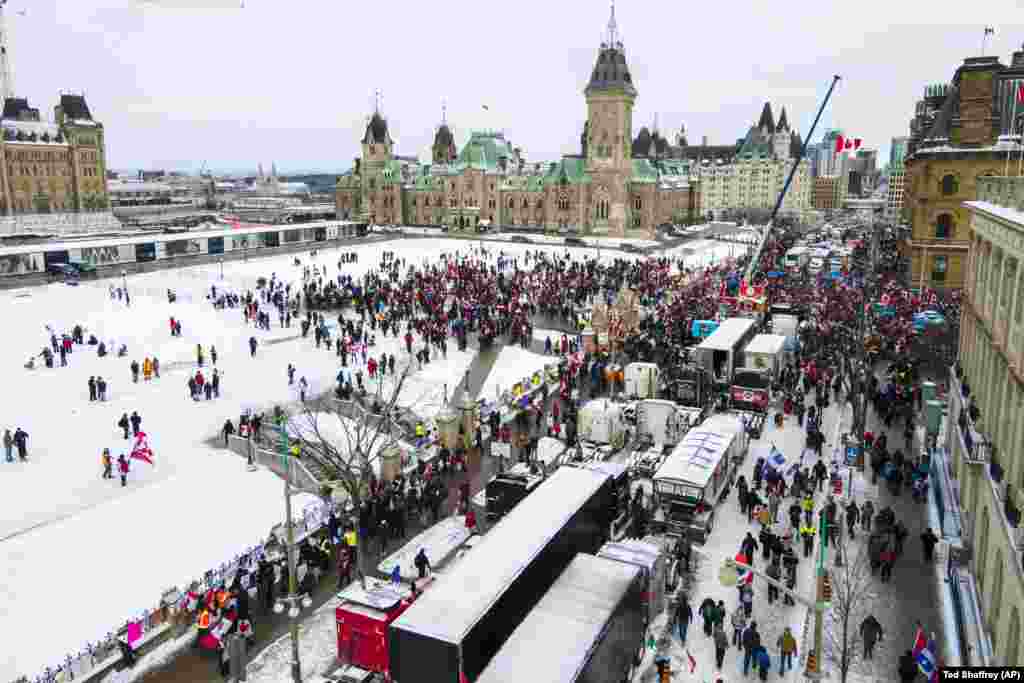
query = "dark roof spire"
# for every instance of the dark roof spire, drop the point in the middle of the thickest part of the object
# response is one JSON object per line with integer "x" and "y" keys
{"x": 767, "y": 120}
{"x": 783, "y": 125}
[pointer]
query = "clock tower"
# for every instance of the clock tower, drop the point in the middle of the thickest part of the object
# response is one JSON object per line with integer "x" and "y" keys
{"x": 610, "y": 95}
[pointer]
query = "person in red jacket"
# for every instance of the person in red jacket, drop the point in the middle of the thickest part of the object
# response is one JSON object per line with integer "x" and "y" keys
{"x": 122, "y": 467}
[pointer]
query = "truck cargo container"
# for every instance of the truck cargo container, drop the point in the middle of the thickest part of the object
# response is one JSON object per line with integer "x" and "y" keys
{"x": 457, "y": 626}
{"x": 589, "y": 628}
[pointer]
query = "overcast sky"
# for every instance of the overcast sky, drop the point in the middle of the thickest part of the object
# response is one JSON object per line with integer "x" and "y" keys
{"x": 180, "y": 82}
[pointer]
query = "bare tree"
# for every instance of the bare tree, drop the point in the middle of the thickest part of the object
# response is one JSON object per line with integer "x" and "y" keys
{"x": 346, "y": 439}
{"x": 853, "y": 593}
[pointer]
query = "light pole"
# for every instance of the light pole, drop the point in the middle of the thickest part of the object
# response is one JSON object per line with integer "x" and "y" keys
{"x": 221, "y": 261}
{"x": 293, "y": 600}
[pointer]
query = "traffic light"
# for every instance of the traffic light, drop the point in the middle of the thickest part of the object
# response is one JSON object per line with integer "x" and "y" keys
{"x": 826, "y": 588}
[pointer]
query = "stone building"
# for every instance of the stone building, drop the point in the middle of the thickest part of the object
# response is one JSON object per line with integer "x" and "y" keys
{"x": 51, "y": 167}
{"x": 608, "y": 188}
{"x": 751, "y": 173}
{"x": 985, "y": 424}
{"x": 968, "y": 137}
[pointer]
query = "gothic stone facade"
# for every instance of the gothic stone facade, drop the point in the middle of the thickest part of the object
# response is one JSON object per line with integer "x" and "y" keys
{"x": 50, "y": 168}
{"x": 603, "y": 190}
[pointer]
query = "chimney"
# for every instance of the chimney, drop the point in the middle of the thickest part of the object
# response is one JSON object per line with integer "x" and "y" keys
{"x": 704, "y": 141}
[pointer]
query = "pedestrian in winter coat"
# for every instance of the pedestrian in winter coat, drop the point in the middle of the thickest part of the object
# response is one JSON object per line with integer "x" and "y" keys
{"x": 747, "y": 599}
{"x": 871, "y": 633}
{"x": 213, "y": 355}
{"x": 252, "y": 347}
{"x": 156, "y": 367}
{"x": 136, "y": 423}
{"x": 707, "y": 613}
{"x": 751, "y": 642}
{"x": 107, "y": 463}
{"x": 787, "y": 650}
{"x": 683, "y": 617}
{"x": 763, "y": 662}
{"x": 92, "y": 388}
{"x": 228, "y": 429}
{"x": 852, "y": 517}
{"x": 774, "y": 572}
{"x": 21, "y": 443}
{"x": 721, "y": 645}
{"x": 8, "y": 445}
{"x": 422, "y": 563}
{"x": 124, "y": 424}
{"x": 867, "y": 511}
{"x": 748, "y": 546}
{"x": 101, "y": 389}
{"x": 122, "y": 467}
{"x": 739, "y": 624}
{"x": 135, "y": 371}
{"x": 928, "y": 541}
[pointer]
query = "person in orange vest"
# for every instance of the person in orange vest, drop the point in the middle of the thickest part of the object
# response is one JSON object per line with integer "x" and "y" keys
{"x": 203, "y": 623}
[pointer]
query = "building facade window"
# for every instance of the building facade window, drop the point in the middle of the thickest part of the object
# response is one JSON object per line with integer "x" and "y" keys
{"x": 949, "y": 185}
{"x": 638, "y": 204}
{"x": 939, "y": 265}
{"x": 944, "y": 226}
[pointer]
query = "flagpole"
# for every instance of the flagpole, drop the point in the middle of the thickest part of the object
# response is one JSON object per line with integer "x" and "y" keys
{"x": 1013, "y": 130}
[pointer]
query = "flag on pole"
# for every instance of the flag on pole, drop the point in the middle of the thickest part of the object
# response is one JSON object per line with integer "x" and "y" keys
{"x": 840, "y": 143}
{"x": 141, "y": 449}
{"x": 1020, "y": 93}
{"x": 924, "y": 654}
{"x": 693, "y": 662}
{"x": 743, "y": 575}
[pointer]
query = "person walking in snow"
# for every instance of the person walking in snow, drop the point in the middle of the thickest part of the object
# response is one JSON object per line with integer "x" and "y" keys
{"x": 135, "y": 371}
{"x": 156, "y": 367}
{"x": 124, "y": 424}
{"x": 682, "y": 617}
{"x": 215, "y": 383}
{"x": 303, "y": 386}
{"x": 252, "y": 347}
{"x": 101, "y": 389}
{"x": 787, "y": 650}
{"x": 8, "y": 445}
{"x": 213, "y": 355}
{"x": 199, "y": 355}
{"x": 871, "y": 632}
{"x": 721, "y": 645}
{"x": 136, "y": 423}
{"x": 107, "y": 463}
{"x": 291, "y": 374}
{"x": 92, "y": 388}
{"x": 122, "y": 468}
{"x": 707, "y": 613}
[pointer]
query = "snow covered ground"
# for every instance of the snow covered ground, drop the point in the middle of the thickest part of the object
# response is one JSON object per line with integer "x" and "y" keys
{"x": 197, "y": 507}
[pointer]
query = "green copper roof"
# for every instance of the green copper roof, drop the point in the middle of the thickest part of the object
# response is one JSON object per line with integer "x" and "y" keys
{"x": 483, "y": 150}
{"x": 644, "y": 171}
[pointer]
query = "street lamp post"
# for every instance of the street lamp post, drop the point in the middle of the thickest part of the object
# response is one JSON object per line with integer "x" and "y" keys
{"x": 293, "y": 600}
{"x": 221, "y": 260}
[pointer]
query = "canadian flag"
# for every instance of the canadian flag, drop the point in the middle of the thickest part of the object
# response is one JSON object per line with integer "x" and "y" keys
{"x": 141, "y": 449}
{"x": 845, "y": 144}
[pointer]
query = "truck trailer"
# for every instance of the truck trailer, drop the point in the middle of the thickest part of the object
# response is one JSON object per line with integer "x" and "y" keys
{"x": 589, "y": 628}
{"x": 455, "y": 629}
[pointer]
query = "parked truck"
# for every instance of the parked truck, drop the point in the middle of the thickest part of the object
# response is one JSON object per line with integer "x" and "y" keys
{"x": 453, "y": 630}
{"x": 588, "y": 628}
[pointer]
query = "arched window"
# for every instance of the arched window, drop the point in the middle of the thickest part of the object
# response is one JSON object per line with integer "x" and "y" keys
{"x": 638, "y": 204}
{"x": 944, "y": 226}
{"x": 511, "y": 203}
{"x": 949, "y": 185}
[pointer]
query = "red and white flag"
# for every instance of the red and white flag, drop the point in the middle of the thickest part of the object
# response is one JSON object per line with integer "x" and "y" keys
{"x": 1020, "y": 94}
{"x": 141, "y": 449}
{"x": 692, "y": 661}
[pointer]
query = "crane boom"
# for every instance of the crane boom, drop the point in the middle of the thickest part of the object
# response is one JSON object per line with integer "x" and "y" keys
{"x": 789, "y": 179}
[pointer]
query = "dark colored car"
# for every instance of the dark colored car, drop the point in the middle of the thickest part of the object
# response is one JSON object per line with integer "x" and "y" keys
{"x": 521, "y": 238}
{"x": 575, "y": 241}
{"x": 631, "y": 248}
{"x": 61, "y": 270}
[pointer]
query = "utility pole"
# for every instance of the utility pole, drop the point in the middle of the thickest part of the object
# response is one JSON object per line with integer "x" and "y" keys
{"x": 292, "y": 598}
{"x": 814, "y": 659}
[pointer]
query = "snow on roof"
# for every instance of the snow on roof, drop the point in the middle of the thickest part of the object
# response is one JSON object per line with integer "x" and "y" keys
{"x": 694, "y": 459}
{"x": 37, "y": 127}
{"x": 766, "y": 343}
{"x": 727, "y": 334}
{"x": 438, "y": 542}
{"x": 554, "y": 642}
{"x": 1006, "y": 213}
{"x": 460, "y": 598}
